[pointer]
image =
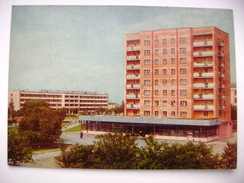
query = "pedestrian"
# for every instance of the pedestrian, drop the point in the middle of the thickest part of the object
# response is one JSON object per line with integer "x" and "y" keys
{"x": 81, "y": 134}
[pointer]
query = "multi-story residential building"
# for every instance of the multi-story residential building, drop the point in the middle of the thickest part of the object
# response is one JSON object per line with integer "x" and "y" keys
{"x": 74, "y": 101}
{"x": 178, "y": 73}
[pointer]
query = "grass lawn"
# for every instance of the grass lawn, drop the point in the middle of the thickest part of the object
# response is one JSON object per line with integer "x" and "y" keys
{"x": 73, "y": 117}
{"x": 74, "y": 129}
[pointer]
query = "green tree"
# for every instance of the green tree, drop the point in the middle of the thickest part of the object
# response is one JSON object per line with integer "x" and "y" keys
{"x": 229, "y": 156}
{"x": 18, "y": 149}
{"x": 40, "y": 124}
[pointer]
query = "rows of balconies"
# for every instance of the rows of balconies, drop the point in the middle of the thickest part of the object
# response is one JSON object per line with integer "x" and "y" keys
{"x": 133, "y": 67}
{"x": 133, "y": 48}
{"x": 132, "y": 106}
{"x": 203, "y": 85}
{"x": 202, "y": 64}
{"x": 134, "y": 57}
{"x": 203, "y": 75}
{"x": 203, "y": 43}
{"x": 133, "y": 76}
{"x": 133, "y": 86}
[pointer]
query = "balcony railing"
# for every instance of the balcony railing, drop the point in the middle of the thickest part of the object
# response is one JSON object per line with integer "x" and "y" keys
{"x": 132, "y": 106}
{"x": 134, "y": 57}
{"x": 203, "y": 43}
{"x": 203, "y": 54}
{"x": 203, "y": 64}
{"x": 133, "y": 76}
{"x": 221, "y": 54}
{"x": 203, "y": 75}
{"x": 204, "y": 107}
{"x": 132, "y": 96}
{"x": 203, "y": 97}
{"x": 133, "y": 67}
{"x": 203, "y": 85}
{"x": 133, "y": 48}
{"x": 133, "y": 86}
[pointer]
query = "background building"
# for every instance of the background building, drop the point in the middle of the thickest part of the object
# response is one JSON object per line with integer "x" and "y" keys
{"x": 178, "y": 73}
{"x": 74, "y": 101}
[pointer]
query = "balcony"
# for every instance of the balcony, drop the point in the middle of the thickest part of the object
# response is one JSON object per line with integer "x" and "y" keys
{"x": 203, "y": 54}
{"x": 134, "y": 57}
{"x": 133, "y": 48}
{"x": 220, "y": 44}
{"x": 132, "y": 106}
{"x": 133, "y": 86}
{"x": 221, "y": 54}
{"x": 203, "y": 85}
{"x": 132, "y": 96}
{"x": 133, "y": 67}
{"x": 133, "y": 76}
{"x": 203, "y": 43}
{"x": 202, "y": 64}
{"x": 203, "y": 75}
{"x": 221, "y": 65}
{"x": 203, "y": 97}
{"x": 203, "y": 107}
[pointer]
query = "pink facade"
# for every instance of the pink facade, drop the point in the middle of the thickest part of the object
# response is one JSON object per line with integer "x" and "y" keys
{"x": 178, "y": 73}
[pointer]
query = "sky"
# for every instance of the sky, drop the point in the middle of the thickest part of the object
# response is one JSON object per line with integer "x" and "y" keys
{"x": 82, "y": 47}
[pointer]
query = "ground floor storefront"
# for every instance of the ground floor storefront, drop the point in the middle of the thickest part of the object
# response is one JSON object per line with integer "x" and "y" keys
{"x": 164, "y": 129}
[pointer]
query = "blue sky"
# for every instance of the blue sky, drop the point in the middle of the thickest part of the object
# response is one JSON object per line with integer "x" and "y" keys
{"x": 82, "y": 47}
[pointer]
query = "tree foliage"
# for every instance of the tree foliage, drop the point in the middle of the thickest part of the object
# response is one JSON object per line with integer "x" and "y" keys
{"x": 229, "y": 156}
{"x": 119, "y": 151}
{"x": 18, "y": 149}
{"x": 40, "y": 124}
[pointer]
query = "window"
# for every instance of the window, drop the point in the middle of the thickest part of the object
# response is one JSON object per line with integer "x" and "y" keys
{"x": 156, "y": 71}
{"x": 183, "y": 81}
{"x": 156, "y": 92}
{"x": 173, "y": 92}
{"x": 183, "y": 92}
{"x": 146, "y": 52}
{"x": 205, "y": 113}
{"x": 146, "y": 113}
{"x": 164, "y": 61}
{"x": 147, "y": 62}
{"x": 147, "y": 82}
{"x": 173, "y": 71}
{"x": 146, "y": 42}
{"x": 156, "y": 113}
{"x": 172, "y": 40}
{"x": 172, "y": 103}
{"x": 165, "y": 81}
{"x": 156, "y": 61}
{"x": 183, "y": 40}
{"x": 147, "y": 92}
{"x": 172, "y": 50}
{"x": 173, "y": 81}
{"x": 182, "y": 50}
{"x": 164, "y": 92}
{"x": 156, "y": 82}
{"x": 164, "y": 41}
{"x": 183, "y": 114}
{"x": 156, "y": 41}
{"x": 164, "y": 51}
{"x": 147, "y": 102}
{"x": 147, "y": 72}
{"x": 164, "y": 71}
{"x": 182, "y": 60}
{"x": 172, "y": 60}
{"x": 164, "y": 102}
{"x": 183, "y": 103}
{"x": 172, "y": 113}
{"x": 156, "y": 103}
{"x": 183, "y": 71}
{"x": 156, "y": 51}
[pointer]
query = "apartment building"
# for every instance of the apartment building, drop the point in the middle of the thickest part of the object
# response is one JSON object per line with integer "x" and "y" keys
{"x": 74, "y": 101}
{"x": 181, "y": 73}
